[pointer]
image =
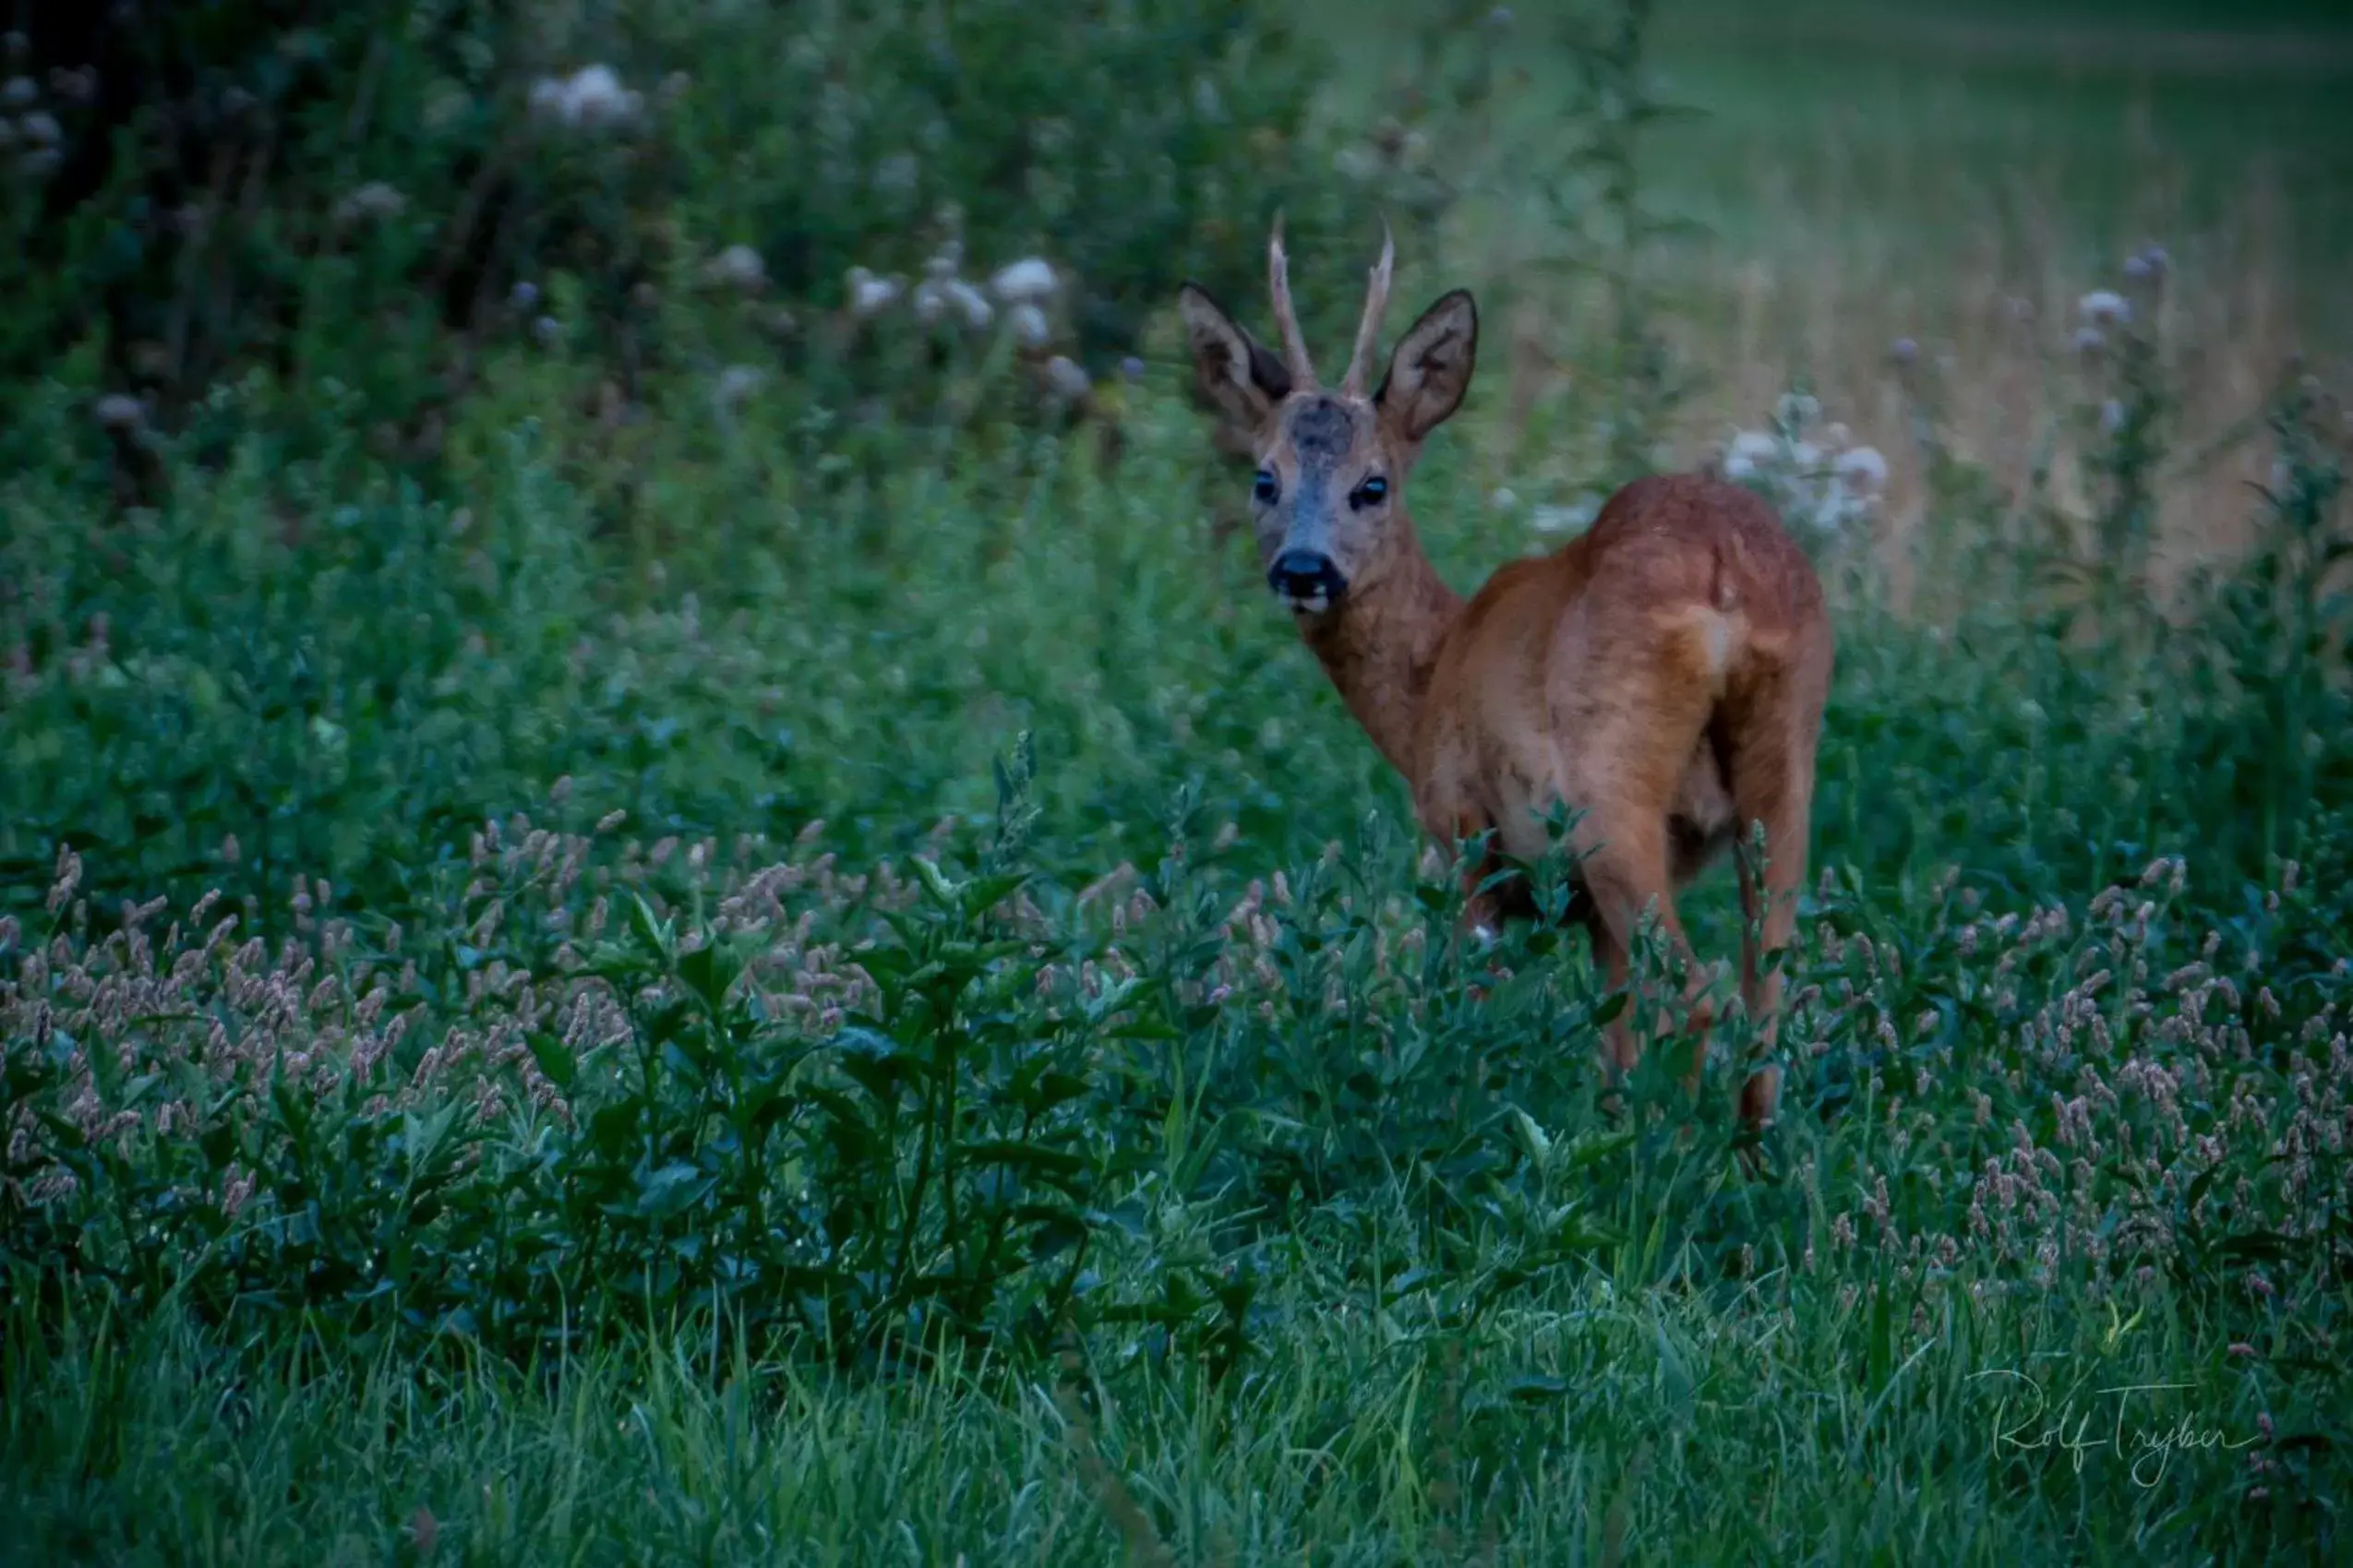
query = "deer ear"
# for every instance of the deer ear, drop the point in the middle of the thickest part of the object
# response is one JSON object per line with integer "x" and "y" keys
{"x": 1431, "y": 369}
{"x": 1238, "y": 373}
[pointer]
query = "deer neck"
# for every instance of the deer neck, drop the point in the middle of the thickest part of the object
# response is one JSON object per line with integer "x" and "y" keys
{"x": 1381, "y": 645}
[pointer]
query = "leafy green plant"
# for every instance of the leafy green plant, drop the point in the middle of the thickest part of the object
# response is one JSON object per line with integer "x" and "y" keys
{"x": 2269, "y": 664}
{"x": 352, "y": 200}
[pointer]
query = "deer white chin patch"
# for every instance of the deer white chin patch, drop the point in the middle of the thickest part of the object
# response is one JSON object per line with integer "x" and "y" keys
{"x": 1308, "y": 604}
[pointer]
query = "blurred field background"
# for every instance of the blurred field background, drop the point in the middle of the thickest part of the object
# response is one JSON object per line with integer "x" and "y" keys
{"x": 1858, "y": 174}
{"x": 668, "y": 891}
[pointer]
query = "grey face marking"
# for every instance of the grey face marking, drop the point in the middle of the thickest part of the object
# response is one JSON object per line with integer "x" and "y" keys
{"x": 1323, "y": 433}
{"x": 1310, "y": 540}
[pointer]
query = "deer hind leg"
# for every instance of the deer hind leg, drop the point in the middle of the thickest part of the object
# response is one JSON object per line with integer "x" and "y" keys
{"x": 1771, "y": 750}
{"x": 1626, "y": 876}
{"x": 1625, "y": 862}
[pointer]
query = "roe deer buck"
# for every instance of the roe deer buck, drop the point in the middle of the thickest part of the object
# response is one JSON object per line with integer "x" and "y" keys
{"x": 1663, "y": 674}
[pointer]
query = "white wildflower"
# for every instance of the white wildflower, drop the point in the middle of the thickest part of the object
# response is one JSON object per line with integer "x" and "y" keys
{"x": 1807, "y": 456}
{"x": 374, "y": 200}
{"x": 1066, "y": 379}
{"x": 589, "y": 98}
{"x": 2103, "y": 307}
{"x": 1749, "y": 453}
{"x": 1797, "y": 409}
{"x": 1905, "y": 351}
{"x": 1862, "y": 469}
{"x": 870, "y": 295}
{"x": 1574, "y": 518}
{"x": 930, "y": 300}
{"x": 2090, "y": 339}
{"x": 19, "y": 92}
{"x": 978, "y": 312}
{"x": 737, "y": 383}
{"x": 41, "y": 128}
{"x": 1503, "y": 499}
{"x": 1026, "y": 282}
{"x": 598, "y": 99}
{"x": 2111, "y": 417}
{"x": 1030, "y": 328}
{"x": 120, "y": 410}
{"x": 738, "y": 267}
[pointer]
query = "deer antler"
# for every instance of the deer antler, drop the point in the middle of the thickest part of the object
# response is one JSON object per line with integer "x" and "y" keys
{"x": 1302, "y": 370}
{"x": 1368, "y": 330}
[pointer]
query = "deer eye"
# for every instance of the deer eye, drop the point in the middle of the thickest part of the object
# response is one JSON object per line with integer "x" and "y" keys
{"x": 1372, "y": 493}
{"x": 1263, "y": 489}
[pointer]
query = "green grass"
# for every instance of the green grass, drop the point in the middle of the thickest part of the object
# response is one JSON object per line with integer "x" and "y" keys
{"x": 1585, "y": 1424}
{"x": 689, "y": 1082}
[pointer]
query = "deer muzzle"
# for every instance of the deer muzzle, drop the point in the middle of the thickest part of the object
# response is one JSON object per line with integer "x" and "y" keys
{"x": 1306, "y": 580}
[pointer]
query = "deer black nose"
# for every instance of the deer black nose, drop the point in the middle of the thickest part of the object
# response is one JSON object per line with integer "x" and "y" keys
{"x": 1307, "y": 578}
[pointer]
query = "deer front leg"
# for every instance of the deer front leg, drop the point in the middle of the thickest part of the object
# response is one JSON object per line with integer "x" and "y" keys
{"x": 1452, "y": 823}
{"x": 1484, "y": 907}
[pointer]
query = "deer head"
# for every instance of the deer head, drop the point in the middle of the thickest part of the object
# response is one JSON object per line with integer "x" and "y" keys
{"x": 1327, "y": 499}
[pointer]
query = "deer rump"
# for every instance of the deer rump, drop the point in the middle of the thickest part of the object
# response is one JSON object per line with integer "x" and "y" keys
{"x": 1671, "y": 619}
